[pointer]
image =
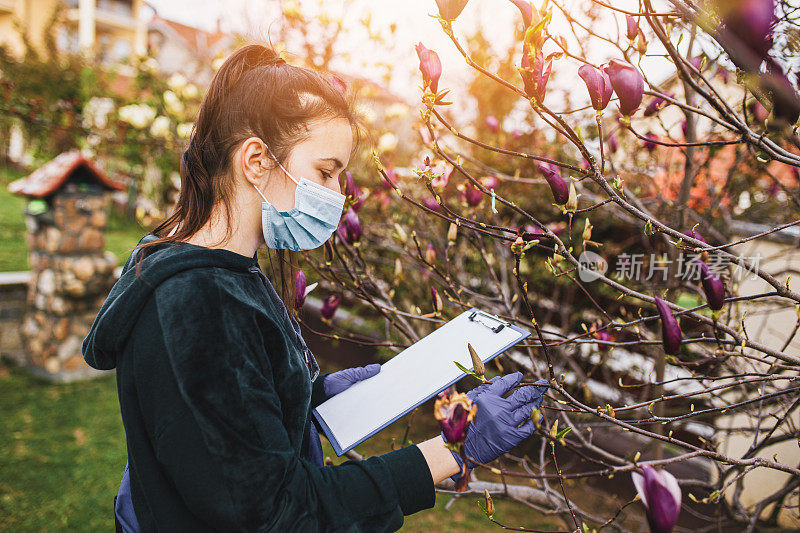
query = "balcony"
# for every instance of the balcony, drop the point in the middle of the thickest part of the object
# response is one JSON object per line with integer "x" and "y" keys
{"x": 109, "y": 14}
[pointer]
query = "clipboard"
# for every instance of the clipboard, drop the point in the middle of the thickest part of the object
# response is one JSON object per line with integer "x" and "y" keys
{"x": 413, "y": 376}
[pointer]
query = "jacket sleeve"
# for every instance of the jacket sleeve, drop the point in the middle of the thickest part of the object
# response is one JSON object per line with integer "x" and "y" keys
{"x": 218, "y": 346}
{"x": 318, "y": 395}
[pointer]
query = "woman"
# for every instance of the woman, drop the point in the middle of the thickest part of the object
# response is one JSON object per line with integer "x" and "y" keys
{"x": 214, "y": 380}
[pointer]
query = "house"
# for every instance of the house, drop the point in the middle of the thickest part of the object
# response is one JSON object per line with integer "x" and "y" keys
{"x": 108, "y": 30}
{"x": 179, "y": 48}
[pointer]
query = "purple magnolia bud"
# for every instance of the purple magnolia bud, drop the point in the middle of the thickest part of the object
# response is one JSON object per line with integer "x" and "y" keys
{"x": 661, "y": 497}
{"x": 492, "y": 123}
{"x": 472, "y": 195}
{"x": 329, "y": 305}
{"x": 653, "y": 106}
{"x": 601, "y": 335}
{"x": 694, "y": 234}
{"x": 349, "y": 185}
{"x": 535, "y": 73}
{"x": 632, "y": 27}
{"x": 299, "y": 289}
{"x": 628, "y": 83}
{"x": 558, "y": 185}
{"x": 454, "y": 413}
{"x": 516, "y": 133}
{"x": 684, "y": 126}
{"x": 712, "y": 286}
{"x": 649, "y": 144}
{"x": 671, "y": 335}
{"x": 696, "y": 62}
{"x": 598, "y": 84}
{"x": 360, "y": 202}
{"x": 451, "y": 9}
{"x": 352, "y": 226}
{"x": 725, "y": 74}
{"x": 613, "y": 143}
{"x": 430, "y": 66}
{"x": 436, "y": 300}
{"x": 750, "y": 22}
{"x": 490, "y": 182}
{"x": 431, "y": 203}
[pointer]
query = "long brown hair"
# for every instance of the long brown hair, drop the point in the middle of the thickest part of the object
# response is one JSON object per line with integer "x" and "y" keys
{"x": 254, "y": 93}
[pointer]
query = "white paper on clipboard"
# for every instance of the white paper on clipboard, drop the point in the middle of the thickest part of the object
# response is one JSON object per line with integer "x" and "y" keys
{"x": 413, "y": 376}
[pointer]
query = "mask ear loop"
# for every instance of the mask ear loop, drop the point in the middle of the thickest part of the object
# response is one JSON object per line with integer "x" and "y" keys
{"x": 279, "y": 164}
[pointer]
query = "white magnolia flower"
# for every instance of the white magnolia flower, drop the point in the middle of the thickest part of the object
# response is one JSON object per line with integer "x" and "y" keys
{"x": 173, "y": 103}
{"x": 95, "y": 112}
{"x": 177, "y": 82}
{"x": 744, "y": 200}
{"x": 137, "y": 115}
{"x": 160, "y": 127}
{"x": 185, "y": 130}
{"x": 150, "y": 64}
{"x": 396, "y": 110}
{"x": 367, "y": 112}
{"x": 387, "y": 142}
{"x": 190, "y": 91}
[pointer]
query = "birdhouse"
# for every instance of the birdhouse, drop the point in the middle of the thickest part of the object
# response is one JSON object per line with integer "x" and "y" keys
{"x": 71, "y": 273}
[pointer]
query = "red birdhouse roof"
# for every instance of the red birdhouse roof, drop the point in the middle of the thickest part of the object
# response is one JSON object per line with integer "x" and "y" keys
{"x": 48, "y": 178}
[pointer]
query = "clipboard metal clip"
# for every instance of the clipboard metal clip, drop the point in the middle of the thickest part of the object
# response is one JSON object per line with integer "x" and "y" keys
{"x": 473, "y": 317}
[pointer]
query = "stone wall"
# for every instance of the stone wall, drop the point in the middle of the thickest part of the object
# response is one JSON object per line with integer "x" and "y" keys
{"x": 71, "y": 275}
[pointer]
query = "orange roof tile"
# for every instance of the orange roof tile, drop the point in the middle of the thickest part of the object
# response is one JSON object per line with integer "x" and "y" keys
{"x": 48, "y": 178}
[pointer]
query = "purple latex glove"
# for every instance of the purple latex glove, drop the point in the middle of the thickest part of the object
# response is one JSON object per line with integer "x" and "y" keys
{"x": 336, "y": 382}
{"x": 494, "y": 430}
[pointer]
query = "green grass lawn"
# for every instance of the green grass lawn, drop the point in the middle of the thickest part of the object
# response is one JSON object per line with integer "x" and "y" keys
{"x": 62, "y": 453}
{"x": 121, "y": 235}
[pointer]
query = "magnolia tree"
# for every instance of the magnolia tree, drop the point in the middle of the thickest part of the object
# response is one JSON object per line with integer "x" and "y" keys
{"x": 615, "y": 245}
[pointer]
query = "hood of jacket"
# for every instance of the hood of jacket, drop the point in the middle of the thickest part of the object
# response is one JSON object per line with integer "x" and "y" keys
{"x": 118, "y": 314}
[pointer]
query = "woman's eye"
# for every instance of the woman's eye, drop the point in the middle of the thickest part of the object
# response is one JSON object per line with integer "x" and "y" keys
{"x": 325, "y": 175}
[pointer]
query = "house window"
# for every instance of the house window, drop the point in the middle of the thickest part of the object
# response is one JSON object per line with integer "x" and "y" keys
{"x": 67, "y": 39}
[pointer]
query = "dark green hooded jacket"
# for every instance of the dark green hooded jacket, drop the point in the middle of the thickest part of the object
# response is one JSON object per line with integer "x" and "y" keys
{"x": 215, "y": 396}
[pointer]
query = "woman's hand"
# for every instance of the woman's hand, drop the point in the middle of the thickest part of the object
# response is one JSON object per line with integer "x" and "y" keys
{"x": 500, "y": 423}
{"x": 337, "y": 382}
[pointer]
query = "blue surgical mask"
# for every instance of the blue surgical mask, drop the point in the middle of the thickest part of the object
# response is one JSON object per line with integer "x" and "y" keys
{"x": 313, "y": 219}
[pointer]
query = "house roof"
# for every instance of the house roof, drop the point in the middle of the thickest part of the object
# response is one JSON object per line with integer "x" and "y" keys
{"x": 48, "y": 178}
{"x": 199, "y": 41}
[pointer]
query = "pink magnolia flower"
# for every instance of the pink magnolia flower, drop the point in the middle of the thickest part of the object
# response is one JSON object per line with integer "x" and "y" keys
{"x": 350, "y": 227}
{"x": 628, "y": 83}
{"x": 632, "y": 27}
{"x": 472, "y": 195}
{"x": 558, "y": 185}
{"x": 454, "y": 413}
{"x": 536, "y": 73}
{"x": 750, "y": 22}
{"x": 430, "y": 66}
{"x": 329, "y": 305}
{"x": 492, "y": 123}
{"x": 598, "y": 84}
{"x": 299, "y": 289}
{"x": 451, "y": 9}
{"x": 431, "y": 203}
{"x": 613, "y": 143}
{"x": 661, "y": 497}
{"x": 671, "y": 336}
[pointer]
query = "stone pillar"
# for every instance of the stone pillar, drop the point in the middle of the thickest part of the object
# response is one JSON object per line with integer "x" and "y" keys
{"x": 71, "y": 277}
{"x": 86, "y": 26}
